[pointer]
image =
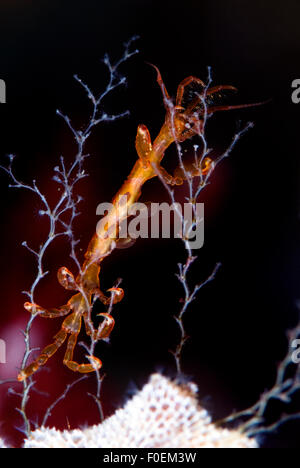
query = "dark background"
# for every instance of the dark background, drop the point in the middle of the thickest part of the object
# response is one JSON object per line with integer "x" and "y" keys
{"x": 237, "y": 325}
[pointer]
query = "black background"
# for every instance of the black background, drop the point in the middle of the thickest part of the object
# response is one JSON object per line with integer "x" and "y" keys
{"x": 237, "y": 325}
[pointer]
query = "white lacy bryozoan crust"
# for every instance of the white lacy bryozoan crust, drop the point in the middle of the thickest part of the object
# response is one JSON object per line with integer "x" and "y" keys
{"x": 163, "y": 414}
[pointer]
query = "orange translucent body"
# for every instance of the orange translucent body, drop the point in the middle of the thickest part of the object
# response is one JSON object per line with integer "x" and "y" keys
{"x": 181, "y": 123}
